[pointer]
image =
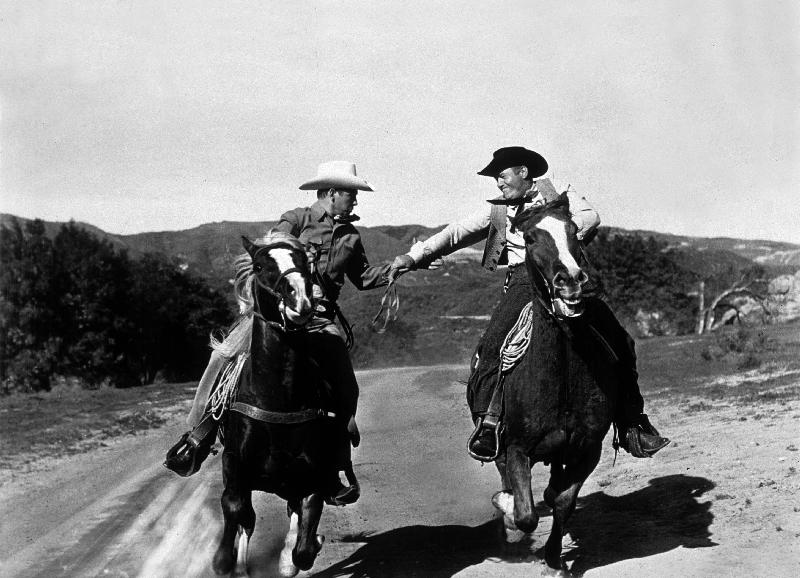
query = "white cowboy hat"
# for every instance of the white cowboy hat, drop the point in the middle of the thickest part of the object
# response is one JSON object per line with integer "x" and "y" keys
{"x": 336, "y": 175}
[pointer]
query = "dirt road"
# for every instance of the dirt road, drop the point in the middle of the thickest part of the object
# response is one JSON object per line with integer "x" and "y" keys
{"x": 721, "y": 501}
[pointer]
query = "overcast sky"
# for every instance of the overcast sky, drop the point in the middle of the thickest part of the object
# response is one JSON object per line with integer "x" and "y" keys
{"x": 678, "y": 116}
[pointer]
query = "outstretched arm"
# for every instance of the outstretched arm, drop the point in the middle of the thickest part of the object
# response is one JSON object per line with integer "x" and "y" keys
{"x": 454, "y": 236}
{"x": 363, "y": 275}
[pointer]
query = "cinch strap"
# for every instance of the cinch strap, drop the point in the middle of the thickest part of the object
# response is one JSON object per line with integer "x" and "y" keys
{"x": 259, "y": 414}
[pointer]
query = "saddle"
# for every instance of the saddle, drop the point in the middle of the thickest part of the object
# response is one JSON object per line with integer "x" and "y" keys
{"x": 186, "y": 456}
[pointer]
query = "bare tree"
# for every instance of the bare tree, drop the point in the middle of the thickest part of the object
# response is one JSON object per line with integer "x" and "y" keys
{"x": 723, "y": 305}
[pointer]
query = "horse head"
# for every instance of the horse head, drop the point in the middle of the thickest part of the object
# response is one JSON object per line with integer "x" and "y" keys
{"x": 552, "y": 252}
{"x": 280, "y": 268}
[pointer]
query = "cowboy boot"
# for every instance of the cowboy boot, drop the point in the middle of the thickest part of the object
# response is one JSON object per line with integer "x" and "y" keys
{"x": 186, "y": 456}
{"x": 339, "y": 494}
{"x": 641, "y": 439}
{"x": 483, "y": 443}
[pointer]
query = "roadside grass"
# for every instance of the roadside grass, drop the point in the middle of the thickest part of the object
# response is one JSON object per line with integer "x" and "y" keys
{"x": 750, "y": 365}
{"x": 765, "y": 364}
{"x": 69, "y": 420}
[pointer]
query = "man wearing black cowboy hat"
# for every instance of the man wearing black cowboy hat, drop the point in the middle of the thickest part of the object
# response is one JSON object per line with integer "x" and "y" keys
{"x": 517, "y": 172}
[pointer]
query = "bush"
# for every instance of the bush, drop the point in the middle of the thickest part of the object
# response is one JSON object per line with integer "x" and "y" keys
{"x": 742, "y": 345}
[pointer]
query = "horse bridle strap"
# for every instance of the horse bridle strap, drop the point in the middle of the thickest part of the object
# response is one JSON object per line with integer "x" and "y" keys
{"x": 274, "y": 289}
{"x": 280, "y": 417}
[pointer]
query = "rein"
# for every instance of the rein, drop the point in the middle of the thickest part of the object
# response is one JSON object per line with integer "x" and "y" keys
{"x": 279, "y": 326}
{"x": 390, "y": 302}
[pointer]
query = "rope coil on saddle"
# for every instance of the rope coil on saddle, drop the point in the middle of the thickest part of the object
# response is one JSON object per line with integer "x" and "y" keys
{"x": 222, "y": 395}
{"x": 516, "y": 342}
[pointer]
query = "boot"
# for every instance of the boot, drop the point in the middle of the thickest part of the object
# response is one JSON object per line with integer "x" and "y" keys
{"x": 186, "y": 456}
{"x": 484, "y": 441}
{"x": 641, "y": 439}
{"x": 341, "y": 495}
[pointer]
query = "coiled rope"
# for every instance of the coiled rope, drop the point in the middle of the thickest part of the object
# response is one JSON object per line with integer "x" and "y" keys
{"x": 221, "y": 397}
{"x": 516, "y": 342}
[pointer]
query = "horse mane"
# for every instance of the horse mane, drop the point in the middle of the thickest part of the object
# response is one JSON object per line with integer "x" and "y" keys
{"x": 237, "y": 339}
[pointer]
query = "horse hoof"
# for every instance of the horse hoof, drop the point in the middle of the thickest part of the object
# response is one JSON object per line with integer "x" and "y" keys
{"x": 504, "y": 502}
{"x": 286, "y": 567}
{"x": 241, "y": 557}
{"x": 512, "y": 535}
{"x": 556, "y": 572}
{"x": 223, "y": 563}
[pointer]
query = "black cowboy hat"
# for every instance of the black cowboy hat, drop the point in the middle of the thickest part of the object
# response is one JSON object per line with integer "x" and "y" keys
{"x": 515, "y": 157}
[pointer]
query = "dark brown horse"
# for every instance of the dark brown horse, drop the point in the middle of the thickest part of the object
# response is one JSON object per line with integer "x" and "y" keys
{"x": 277, "y": 434}
{"x": 559, "y": 399}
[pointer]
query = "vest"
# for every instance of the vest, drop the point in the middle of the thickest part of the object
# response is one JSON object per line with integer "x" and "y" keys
{"x": 493, "y": 253}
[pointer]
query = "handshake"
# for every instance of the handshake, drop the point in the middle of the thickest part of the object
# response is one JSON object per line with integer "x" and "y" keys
{"x": 402, "y": 264}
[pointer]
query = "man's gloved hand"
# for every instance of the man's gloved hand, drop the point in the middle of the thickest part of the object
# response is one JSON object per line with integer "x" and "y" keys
{"x": 352, "y": 429}
{"x": 402, "y": 264}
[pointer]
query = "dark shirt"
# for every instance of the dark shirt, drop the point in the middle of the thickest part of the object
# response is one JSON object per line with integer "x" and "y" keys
{"x": 338, "y": 247}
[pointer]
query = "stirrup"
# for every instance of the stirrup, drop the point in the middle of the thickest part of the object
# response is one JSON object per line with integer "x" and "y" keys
{"x": 345, "y": 495}
{"x": 186, "y": 456}
{"x": 497, "y": 428}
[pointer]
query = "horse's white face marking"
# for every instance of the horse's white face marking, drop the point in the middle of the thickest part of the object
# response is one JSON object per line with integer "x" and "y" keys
{"x": 558, "y": 231}
{"x": 298, "y": 310}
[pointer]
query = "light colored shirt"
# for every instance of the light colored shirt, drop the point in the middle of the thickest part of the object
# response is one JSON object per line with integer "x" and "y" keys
{"x": 475, "y": 228}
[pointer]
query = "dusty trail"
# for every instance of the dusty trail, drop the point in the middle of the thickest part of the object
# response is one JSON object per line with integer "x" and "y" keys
{"x": 701, "y": 508}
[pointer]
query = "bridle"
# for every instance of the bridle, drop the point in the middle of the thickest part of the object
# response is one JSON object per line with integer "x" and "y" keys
{"x": 551, "y": 287}
{"x": 273, "y": 290}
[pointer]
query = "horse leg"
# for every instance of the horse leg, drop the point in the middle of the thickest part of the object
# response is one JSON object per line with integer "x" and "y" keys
{"x": 555, "y": 485}
{"x": 286, "y": 566}
{"x": 500, "y": 464}
{"x": 569, "y": 482}
{"x": 308, "y": 542}
{"x": 246, "y": 526}
{"x": 504, "y": 502}
{"x": 237, "y": 510}
{"x": 518, "y": 469}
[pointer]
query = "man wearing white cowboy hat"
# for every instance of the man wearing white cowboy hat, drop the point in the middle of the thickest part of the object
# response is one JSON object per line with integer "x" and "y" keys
{"x": 517, "y": 171}
{"x": 335, "y": 250}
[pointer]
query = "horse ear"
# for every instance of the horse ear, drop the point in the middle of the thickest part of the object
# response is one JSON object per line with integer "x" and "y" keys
{"x": 248, "y": 245}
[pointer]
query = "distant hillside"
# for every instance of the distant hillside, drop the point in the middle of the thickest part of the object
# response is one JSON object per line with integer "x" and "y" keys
{"x": 443, "y": 312}
{"x": 208, "y": 248}
{"x": 771, "y": 254}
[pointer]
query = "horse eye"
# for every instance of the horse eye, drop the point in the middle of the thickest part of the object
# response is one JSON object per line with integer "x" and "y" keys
{"x": 257, "y": 268}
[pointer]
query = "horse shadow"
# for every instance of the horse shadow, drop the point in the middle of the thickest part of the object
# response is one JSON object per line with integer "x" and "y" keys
{"x": 606, "y": 529}
{"x": 661, "y": 517}
{"x": 429, "y": 551}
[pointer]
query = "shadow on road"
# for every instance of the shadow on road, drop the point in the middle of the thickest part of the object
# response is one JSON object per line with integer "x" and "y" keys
{"x": 656, "y": 519}
{"x": 430, "y": 551}
{"x": 661, "y": 517}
